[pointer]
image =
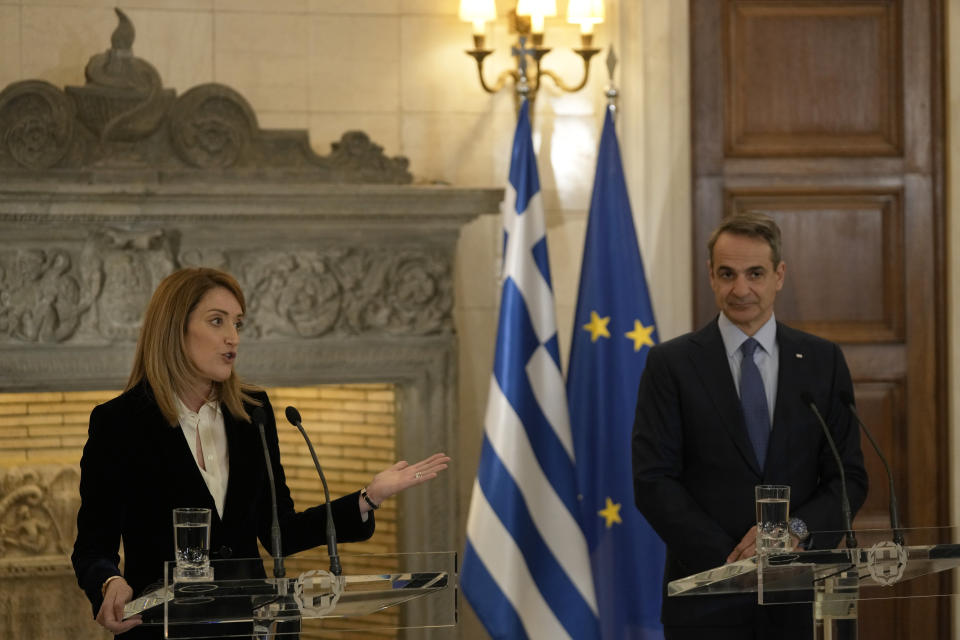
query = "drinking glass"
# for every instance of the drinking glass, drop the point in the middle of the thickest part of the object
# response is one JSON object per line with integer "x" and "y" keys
{"x": 191, "y": 544}
{"x": 773, "y": 517}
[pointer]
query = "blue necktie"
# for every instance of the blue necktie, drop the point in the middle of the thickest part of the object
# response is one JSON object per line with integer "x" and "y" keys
{"x": 753, "y": 400}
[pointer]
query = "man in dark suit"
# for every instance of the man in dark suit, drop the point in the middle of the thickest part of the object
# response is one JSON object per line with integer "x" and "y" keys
{"x": 719, "y": 411}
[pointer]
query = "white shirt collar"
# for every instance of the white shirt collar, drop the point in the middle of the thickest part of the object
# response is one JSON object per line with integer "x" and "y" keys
{"x": 183, "y": 411}
{"x": 734, "y": 337}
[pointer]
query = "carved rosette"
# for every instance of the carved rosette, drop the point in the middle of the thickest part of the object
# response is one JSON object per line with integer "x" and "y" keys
{"x": 403, "y": 293}
{"x": 38, "y": 507}
{"x": 36, "y": 124}
{"x": 290, "y": 295}
{"x": 211, "y": 126}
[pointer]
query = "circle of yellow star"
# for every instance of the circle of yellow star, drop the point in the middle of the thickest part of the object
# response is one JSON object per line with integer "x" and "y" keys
{"x": 611, "y": 513}
{"x": 640, "y": 335}
{"x": 597, "y": 326}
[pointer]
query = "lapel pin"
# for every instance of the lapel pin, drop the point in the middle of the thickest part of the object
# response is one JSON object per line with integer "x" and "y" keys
{"x": 799, "y": 355}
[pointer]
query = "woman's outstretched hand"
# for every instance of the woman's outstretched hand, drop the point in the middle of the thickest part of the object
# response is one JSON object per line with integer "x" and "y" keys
{"x": 403, "y": 475}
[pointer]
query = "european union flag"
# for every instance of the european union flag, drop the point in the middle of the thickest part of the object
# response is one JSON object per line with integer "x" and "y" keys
{"x": 613, "y": 331}
{"x": 526, "y": 570}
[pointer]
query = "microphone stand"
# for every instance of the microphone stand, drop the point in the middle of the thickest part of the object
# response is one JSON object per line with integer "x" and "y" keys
{"x": 894, "y": 513}
{"x": 278, "y": 569}
{"x": 851, "y": 538}
{"x": 293, "y": 417}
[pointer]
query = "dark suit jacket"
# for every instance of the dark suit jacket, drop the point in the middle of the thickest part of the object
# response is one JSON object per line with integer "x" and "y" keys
{"x": 136, "y": 469}
{"x": 694, "y": 468}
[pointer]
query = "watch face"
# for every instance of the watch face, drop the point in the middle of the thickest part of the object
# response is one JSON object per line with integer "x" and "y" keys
{"x": 799, "y": 529}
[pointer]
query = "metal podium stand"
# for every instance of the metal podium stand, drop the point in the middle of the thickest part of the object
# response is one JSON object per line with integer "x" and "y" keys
{"x": 834, "y": 580}
{"x": 419, "y": 591}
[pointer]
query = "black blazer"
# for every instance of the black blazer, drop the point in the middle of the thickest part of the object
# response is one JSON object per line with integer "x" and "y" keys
{"x": 694, "y": 469}
{"x": 136, "y": 469}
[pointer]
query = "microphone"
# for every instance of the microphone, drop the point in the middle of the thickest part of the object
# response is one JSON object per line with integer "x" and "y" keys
{"x": 847, "y": 399}
{"x": 275, "y": 550}
{"x": 293, "y": 417}
{"x": 807, "y": 399}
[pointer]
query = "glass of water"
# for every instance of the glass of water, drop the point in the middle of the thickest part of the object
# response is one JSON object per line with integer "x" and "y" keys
{"x": 191, "y": 544}
{"x": 773, "y": 518}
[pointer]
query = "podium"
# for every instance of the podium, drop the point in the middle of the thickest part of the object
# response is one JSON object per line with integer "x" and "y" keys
{"x": 834, "y": 580}
{"x": 414, "y": 591}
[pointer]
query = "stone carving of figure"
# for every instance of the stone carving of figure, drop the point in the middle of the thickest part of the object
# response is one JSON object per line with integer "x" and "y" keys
{"x": 41, "y": 302}
{"x": 29, "y": 532}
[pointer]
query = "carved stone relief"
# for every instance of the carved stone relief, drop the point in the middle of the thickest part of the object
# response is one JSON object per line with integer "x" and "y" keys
{"x": 38, "y": 510}
{"x": 75, "y": 293}
{"x": 309, "y": 294}
{"x": 96, "y": 292}
{"x": 39, "y": 597}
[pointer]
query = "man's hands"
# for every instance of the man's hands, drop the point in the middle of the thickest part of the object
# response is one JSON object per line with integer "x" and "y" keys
{"x": 748, "y": 546}
{"x": 110, "y": 616}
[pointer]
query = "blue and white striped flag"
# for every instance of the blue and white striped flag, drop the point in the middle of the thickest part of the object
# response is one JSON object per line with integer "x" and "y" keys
{"x": 526, "y": 569}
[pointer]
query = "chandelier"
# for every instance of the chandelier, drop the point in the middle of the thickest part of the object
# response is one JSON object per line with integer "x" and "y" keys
{"x": 528, "y": 20}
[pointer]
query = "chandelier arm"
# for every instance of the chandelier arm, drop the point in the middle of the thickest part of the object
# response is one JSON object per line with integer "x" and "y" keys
{"x": 585, "y": 54}
{"x": 479, "y": 55}
{"x": 563, "y": 86}
{"x": 502, "y": 80}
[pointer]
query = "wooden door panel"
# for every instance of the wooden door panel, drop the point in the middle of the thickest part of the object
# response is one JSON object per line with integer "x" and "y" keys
{"x": 856, "y": 295}
{"x": 812, "y": 78}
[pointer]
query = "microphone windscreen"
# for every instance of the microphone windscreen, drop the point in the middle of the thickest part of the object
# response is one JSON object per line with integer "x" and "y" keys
{"x": 257, "y": 415}
{"x": 293, "y": 416}
{"x": 807, "y": 398}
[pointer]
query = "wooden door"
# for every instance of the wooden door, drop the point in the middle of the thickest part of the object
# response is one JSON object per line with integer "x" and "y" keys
{"x": 827, "y": 115}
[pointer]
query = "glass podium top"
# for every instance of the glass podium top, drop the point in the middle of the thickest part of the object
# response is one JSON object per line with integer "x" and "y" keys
{"x": 240, "y": 600}
{"x": 874, "y": 565}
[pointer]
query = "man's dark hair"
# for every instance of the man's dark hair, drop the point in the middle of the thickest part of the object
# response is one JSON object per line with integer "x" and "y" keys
{"x": 752, "y": 224}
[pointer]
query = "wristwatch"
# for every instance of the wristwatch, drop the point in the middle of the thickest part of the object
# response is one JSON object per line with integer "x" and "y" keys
{"x": 798, "y": 529}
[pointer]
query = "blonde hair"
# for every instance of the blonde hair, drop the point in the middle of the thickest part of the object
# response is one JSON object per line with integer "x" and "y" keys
{"x": 161, "y": 358}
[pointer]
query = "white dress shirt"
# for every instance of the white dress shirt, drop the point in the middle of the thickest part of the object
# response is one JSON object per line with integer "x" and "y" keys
{"x": 213, "y": 440}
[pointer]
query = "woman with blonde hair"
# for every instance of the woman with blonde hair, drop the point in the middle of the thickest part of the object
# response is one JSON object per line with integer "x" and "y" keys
{"x": 180, "y": 435}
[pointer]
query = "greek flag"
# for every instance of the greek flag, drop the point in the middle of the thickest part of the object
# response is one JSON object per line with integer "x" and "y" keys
{"x": 526, "y": 569}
